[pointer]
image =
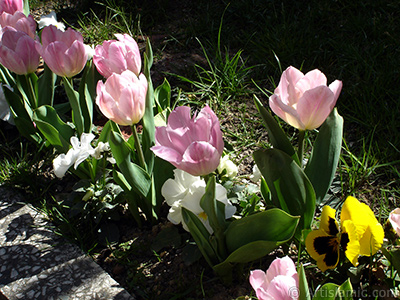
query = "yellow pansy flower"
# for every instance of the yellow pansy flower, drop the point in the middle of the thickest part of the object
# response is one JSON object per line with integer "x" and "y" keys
{"x": 360, "y": 234}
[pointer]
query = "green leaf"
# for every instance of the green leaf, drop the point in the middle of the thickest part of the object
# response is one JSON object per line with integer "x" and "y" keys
{"x": 216, "y": 215}
{"x": 273, "y": 225}
{"x": 324, "y": 158}
{"x": 53, "y": 128}
{"x": 73, "y": 97}
{"x": 304, "y": 292}
{"x": 393, "y": 256}
{"x": 290, "y": 188}
{"x": 86, "y": 95}
{"x": 46, "y": 84}
{"x": 162, "y": 96}
{"x": 136, "y": 176}
{"x": 148, "y": 135}
{"x": 22, "y": 114}
{"x": 332, "y": 291}
{"x": 200, "y": 235}
{"x": 276, "y": 135}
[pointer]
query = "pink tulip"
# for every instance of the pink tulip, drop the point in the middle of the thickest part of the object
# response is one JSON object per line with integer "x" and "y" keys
{"x": 11, "y": 6}
{"x": 19, "y": 22}
{"x": 117, "y": 56}
{"x": 18, "y": 53}
{"x": 394, "y": 219}
{"x": 194, "y": 145}
{"x": 122, "y": 97}
{"x": 279, "y": 282}
{"x": 63, "y": 52}
{"x": 304, "y": 101}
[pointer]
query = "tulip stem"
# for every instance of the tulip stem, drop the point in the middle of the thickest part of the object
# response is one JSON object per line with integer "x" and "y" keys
{"x": 138, "y": 147}
{"x": 300, "y": 146}
{"x": 31, "y": 91}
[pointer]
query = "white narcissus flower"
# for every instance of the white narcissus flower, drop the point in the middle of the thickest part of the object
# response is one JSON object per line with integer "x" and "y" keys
{"x": 256, "y": 176}
{"x": 101, "y": 147}
{"x": 228, "y": 165}
{"x": 186, "y": 190}
{"x": 78, "y": 153}
{"x": 50, "y": 19}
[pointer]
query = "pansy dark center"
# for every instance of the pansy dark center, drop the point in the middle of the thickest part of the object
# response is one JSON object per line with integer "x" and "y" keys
{"x": 328, "y": 245}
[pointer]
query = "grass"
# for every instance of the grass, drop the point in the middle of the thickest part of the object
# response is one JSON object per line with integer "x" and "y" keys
{"x": 354, "y": 42}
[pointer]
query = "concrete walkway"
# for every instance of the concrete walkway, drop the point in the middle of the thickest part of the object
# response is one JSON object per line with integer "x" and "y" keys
{"x": 37, "y": 264}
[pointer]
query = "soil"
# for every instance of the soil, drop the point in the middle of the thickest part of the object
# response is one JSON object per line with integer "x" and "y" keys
{"x": 172, "y": 269}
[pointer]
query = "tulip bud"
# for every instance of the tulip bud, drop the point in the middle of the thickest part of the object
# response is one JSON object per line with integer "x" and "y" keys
{"x": 18, "y": 53}
{"x": 122, "y": 97}
{"x": 117, "y": 56}
{"x": 63, "y": 52}
{"x": 304, "y": 101}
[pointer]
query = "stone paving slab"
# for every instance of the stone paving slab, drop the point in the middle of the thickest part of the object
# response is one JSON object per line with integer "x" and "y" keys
{"x": 37, "y": 264}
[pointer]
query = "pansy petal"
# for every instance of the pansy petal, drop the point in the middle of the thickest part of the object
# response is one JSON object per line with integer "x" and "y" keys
{"x": 323, "y": 248}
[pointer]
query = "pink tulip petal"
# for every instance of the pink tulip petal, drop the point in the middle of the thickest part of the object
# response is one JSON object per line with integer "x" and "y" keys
{"x": 168, "y": 154}
{"x": 258, "y": 279}
{"x": 285, "y": 112}
{"x": 200, "y": 158}
{"x": 315, "y": 106}
{"x": 394, "y": 219}
{"x": 283, "y": 288}
{"x": 286, "y": 87}
{"x": 336, "y": 88}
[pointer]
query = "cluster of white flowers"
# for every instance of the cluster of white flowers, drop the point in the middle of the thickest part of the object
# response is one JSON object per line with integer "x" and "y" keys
{"x": 229, "y": 166}
{"x": 186, "y": 190}
{"x": 81, "y": 150}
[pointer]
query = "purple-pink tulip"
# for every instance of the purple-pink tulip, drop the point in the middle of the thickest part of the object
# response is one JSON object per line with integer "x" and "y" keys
{"x": 304, "y": 101}
{"x": 11, "y": 6}
{"x": 281, "y": 281}
{"x": 194, "y": 145}
{"x": 63, "y": 51}
{"x": 117, "y": 56}
{"x": 18, "y": 53}
{"x": 19, "y": 22}
{"x": 394, "y": 219}
{"x": 122, "y": 97}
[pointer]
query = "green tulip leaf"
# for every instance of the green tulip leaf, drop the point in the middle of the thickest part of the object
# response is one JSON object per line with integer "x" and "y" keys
{"x": 273, "y": 226}
{"x": 393, "y": 256}
{"x": 148, "y": 135}
{"x": 304, "y": 292}
{"x": 200, "y": 235}
{"x": 325, "y": 154}
{"x": 136, "y": 176}
{"x": 46, "y": 85}
{"x": 86, "y": 95}
{"x": 290, "y": 188}
{"x": 276, "y": 135}
{"x": 333, "y": 291}
{"x": 162, "y": 95}
{"x": 73, "y": 97}
{"x": 56, "y": 132}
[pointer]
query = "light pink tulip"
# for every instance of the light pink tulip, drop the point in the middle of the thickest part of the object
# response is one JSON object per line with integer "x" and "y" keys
{"x": 122, "y": 97}
{"x": 11, "y": 6}
{"x": 194, "y": 145}
{"x": 279, "y": 282}
{"x": 63, "y": 51}
{"x": 19, "y": 22}
{"x": 394, "y": 219}
{"x": 18, "y": 53}
{"x": 304, "y": 101}
{"x": 117, "y": 56}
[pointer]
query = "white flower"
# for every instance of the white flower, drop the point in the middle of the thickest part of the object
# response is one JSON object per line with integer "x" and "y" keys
{"x": 5, "y": 113}
{"x": 186, "y": 191}
{"x": 228, "y": 165}
{"x": 50, "y": 19}
{"x": 101, "y": 147}
{"x": 90, "y": 51}
{"x": 256, "y": 176}
{"x": 80, "y": 151}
